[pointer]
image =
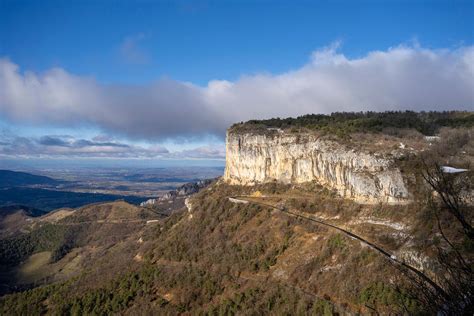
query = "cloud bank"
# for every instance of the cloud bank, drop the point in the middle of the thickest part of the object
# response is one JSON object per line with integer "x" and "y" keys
{"x": 404, "y": 77}
{"x": 65, "y": 146}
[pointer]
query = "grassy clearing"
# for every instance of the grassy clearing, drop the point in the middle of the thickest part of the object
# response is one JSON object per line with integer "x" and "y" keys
{"x": 34, "y": 268}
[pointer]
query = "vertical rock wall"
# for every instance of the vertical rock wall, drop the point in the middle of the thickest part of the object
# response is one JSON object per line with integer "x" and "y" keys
{"x": 253, "y": 158}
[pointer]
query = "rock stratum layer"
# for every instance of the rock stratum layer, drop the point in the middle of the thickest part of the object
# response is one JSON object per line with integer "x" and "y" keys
{"x": 253, "y": 158}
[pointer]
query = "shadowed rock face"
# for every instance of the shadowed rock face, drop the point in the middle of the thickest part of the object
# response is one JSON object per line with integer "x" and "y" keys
{"x": 298, "y": 158}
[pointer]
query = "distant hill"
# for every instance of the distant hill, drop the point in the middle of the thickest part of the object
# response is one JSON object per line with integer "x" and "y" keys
{"x": 62, "y": 243}
{"x": 14, "y": 218}
{"x": 10, "y": 179}
{"x": 47, "y": 200}
{"x": 19, "y": 188}
{"x": 29, "y": 211}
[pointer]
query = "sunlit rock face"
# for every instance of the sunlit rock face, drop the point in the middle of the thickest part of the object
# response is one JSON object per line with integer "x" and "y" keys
{"x": 297, "y": 158}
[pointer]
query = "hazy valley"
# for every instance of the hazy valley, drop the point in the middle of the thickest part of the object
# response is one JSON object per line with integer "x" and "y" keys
{"x": 49, "y": 189}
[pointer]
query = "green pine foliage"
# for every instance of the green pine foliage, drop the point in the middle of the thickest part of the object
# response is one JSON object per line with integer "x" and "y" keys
{"x": 379, "y": 295}
{"x": 345, "y": 123}
{"x": 48, "y": 237}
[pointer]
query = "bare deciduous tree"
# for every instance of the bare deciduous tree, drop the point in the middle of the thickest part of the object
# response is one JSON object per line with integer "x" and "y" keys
{"x": 454, "y": 240}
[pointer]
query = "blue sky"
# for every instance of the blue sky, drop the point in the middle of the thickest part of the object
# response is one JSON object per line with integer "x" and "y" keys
{"x": 175, "y": 74}
{"x": 199, "y": 41}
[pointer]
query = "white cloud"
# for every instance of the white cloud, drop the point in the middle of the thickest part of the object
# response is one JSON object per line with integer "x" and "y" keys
{"x": 202, "y": 152}
{"x": 402, "y": 77}
{"x": 69, "y": 146}
{"x": 66, "y": 146}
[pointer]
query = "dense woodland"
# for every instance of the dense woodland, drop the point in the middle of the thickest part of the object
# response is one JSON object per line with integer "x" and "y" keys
{"x": 344, "y": 123}
{"x": 51, "y": 237}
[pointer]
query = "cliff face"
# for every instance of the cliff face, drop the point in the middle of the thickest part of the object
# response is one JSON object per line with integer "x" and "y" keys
{"x": 297, "y": 158}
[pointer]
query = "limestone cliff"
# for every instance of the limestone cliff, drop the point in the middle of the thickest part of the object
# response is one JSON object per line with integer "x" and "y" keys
{"x": 297, "y": 158}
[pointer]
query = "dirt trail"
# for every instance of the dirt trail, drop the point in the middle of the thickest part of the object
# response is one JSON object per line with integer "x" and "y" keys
{"x": 115, "y": 221}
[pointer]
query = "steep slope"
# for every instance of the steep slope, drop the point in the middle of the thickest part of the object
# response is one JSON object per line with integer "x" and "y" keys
{"x": 15, "y": 218}
{"x": 59, "y": 245}
{"x": 224, "y": 257}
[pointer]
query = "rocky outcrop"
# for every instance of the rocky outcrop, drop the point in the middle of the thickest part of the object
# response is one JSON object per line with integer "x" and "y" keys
{"x": 285, "y": 157}
{"x": 184, "y": 190}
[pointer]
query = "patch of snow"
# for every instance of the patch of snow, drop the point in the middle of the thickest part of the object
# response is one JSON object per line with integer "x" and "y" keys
{"x": 415, "y": 259}
{"x": 394, "y": 225}
{"x": 432, "y": 138}
{"x": 448, "y": 169}
{"x": 279, "y": 130}
{"x": 400, "y": 235}
{"x": 152, "y": 221}
{"x": 233, "y": 200}
{"x": 280, "y": 274}
{"x": 328, "y": 268}
{"x": 325, "y": 217}
{"x": 402, "y": 146}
